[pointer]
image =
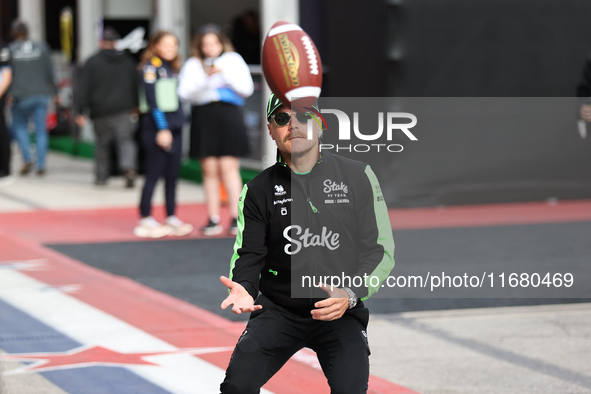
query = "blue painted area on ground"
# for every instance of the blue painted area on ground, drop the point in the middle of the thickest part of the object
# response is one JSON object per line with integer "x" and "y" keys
{"x": 103, "y": 380}
{"x": 22, "y": 333}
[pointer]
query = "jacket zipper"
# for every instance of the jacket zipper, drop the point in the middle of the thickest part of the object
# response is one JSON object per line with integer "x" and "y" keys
{"x": 306, "y": 190}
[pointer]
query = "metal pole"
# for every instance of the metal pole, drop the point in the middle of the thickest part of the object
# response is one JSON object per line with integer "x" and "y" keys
{"x": 32, "y": 13}
{"x": 171, "y": 16}
{"x": 90, "y": 17}
{"x": 272, "y": 11}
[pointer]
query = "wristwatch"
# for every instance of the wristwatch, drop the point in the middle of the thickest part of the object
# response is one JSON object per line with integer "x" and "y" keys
{"x": 352, "y": 297}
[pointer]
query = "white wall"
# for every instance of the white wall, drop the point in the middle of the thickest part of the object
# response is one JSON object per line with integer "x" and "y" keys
{"x": 273, "y": 11}
{"x": 171, "y": 15}
{"x": 89, "y": 16}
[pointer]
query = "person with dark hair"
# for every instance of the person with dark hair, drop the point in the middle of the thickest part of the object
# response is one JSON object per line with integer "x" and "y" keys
{"x": 5, "y": 80}
{"x": 32, "y": 87}
{"x": 216, "y": 81}
{"x": 246, "y": 36}
{"x": 108, "y": 87}
{"x": 310, "y": 214}
{"x": 161, "y": 133}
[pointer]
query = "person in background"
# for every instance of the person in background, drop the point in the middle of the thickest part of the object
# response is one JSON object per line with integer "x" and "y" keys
{"x": 246, "y": 37}
{"x": 216, "y": 81}
{"x": 32, "y": 87}
{"x": 584, "y": 102}
{"x": 161, "y": 133}
{"x": 5, "y": 80}
{"x": 108, "y": 86}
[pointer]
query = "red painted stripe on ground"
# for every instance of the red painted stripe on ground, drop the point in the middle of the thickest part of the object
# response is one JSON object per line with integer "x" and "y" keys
{"x": 491, "y": 215}
{"x": 96, "y": 225}
{"x": 172, "y": 320}
{"x": 116, "y": 224}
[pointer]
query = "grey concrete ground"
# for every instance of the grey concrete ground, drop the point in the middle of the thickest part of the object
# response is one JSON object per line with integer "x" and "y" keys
{"x": 69, "y": 185}
{"x": 25, "y": 383}
{"x": 534, "y": 349}
{"x": 520, "y": 349}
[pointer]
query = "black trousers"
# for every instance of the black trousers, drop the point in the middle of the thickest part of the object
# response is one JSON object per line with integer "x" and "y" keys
{"x": 160, "y": 163}
{"x": 119, "y": 128}
{"x": 4, "y": 141}
{"x": 274, "y": 334}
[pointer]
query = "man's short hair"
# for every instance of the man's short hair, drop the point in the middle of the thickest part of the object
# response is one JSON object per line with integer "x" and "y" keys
{"x": 19, "y": 29}
{"x": 110, "y": 34}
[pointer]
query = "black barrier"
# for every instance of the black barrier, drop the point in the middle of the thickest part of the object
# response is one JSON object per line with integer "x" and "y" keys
{"x": 467, "y": 150}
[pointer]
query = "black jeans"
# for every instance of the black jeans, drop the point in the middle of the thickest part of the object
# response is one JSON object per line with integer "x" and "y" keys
{"x": 160, "y": 163}
{"x": 274, "y": 334}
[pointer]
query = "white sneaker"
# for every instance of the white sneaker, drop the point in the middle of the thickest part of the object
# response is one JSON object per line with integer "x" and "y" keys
{"x": 178, "y": 227}
{"x": 150, "y": 228}
{"x": 212, "y": 228}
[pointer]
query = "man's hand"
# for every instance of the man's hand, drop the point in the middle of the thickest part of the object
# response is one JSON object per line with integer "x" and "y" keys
{"x": 586, "y": 112}
{"x": 164, "y": 139}
{"x": 333, "y": 307}
{"x": 239, "y": 298}
{"x": 81, "y": 120}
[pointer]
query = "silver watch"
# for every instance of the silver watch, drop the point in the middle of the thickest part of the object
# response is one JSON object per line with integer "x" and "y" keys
{"x": 352, "y": 297}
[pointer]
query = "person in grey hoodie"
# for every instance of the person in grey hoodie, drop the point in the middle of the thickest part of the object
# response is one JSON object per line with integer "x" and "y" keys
{"x": 32, "y": 87}
{"x": 108, "y": 87}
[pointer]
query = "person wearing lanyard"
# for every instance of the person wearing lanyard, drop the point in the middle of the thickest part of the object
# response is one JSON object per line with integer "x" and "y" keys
{"x": 160, "y": 133}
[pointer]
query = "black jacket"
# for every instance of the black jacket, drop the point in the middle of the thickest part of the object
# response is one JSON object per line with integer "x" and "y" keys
{"x": 331, "y": 221}
{"x": 108, "y": 84}
{"x": 156, "y": 119}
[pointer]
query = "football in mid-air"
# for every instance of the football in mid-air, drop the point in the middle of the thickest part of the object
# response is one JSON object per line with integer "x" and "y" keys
{"x": 291, "y": 65}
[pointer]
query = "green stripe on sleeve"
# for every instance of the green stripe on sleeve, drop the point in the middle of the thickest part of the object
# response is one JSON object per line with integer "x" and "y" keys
{"x": 238, "y": 243}
{"x": 384, "y": 233}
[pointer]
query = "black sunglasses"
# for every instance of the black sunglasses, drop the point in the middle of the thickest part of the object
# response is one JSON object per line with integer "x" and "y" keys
{"x": 283, "y": 118}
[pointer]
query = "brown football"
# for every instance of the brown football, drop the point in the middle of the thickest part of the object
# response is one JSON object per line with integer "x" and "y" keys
{"x": 291, "y": 65}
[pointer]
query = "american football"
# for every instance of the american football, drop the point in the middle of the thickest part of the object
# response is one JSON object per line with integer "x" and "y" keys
{"x": 291, "y": 65}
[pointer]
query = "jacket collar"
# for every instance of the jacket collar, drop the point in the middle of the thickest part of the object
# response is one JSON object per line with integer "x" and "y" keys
{"x": 318, "y": 167}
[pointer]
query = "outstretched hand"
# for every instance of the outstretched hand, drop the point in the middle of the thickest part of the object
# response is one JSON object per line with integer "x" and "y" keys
{"x": 333, "y": 307}
{"x": 239, "y": 298}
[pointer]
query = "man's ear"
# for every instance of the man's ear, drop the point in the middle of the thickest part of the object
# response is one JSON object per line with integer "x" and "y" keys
{"x": 270, "y": 133}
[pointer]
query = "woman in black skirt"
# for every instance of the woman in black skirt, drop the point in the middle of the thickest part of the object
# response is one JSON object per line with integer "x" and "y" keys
{"x": 216, "y": 81}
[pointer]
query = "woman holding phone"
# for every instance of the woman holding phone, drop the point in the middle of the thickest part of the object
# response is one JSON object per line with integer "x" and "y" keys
{"x": 216, "y": 80}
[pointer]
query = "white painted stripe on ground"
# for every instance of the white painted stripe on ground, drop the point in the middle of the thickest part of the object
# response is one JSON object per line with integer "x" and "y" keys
{"x": 178, "y": 373}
